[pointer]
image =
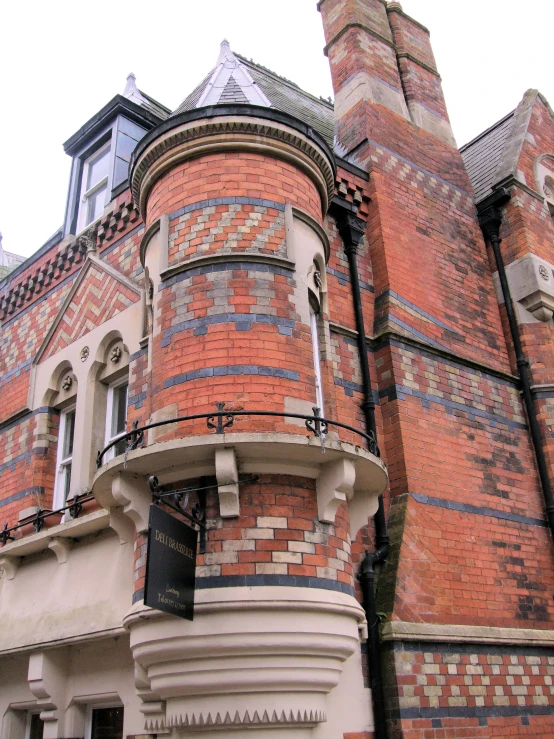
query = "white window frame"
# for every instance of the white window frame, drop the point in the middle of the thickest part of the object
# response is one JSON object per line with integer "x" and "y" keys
{"x": 61, "y": 462}
{"x": 92, "y": 707}
{"x": 314, "y": 325}
{"x": 108, "y": 438}
{"x": 86, "y": 194}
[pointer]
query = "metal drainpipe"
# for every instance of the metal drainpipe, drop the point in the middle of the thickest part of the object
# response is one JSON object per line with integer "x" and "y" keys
{"x": 351, "y": 229}
{"x": 490, "y": 221}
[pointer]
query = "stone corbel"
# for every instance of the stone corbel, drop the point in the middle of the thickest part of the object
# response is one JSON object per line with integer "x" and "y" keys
{"x": 61, "y": 548}
{"x": 122, "y": 525}
{"x": 153, "y": 707}
{"x": 361, "y": 508}
{"x": 334, "y": 486}
{"x": 9, "y": 565}
{"x": 133, "y": 494}
{"x": 46, "y": 678}
{"x": 227, "y": 482}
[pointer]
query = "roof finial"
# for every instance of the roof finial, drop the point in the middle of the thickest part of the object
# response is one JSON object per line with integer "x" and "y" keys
{"x": 224, "y": 51}
{"x": 131, "y": 86}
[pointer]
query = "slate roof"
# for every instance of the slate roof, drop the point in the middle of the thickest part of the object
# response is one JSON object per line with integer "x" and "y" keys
{"x": 484, "y": 154}
{"x": 288, "y": 97}
{"x": 282, "y": 94}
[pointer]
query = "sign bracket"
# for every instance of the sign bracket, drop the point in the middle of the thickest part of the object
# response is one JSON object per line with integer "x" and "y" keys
{"x": 174, "y": 500}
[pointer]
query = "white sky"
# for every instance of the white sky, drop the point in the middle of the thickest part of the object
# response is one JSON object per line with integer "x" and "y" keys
{"x": 61, "y": 61}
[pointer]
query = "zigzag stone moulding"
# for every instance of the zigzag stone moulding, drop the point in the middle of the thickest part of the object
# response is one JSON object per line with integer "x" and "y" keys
{"x": 194, "y": 139}
{"x": 306, "y": 718}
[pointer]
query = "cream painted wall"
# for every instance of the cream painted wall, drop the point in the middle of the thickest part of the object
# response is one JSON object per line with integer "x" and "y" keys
{"x": 47, "y": 601}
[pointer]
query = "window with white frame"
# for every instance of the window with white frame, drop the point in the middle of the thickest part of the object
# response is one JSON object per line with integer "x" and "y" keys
{"x": 65, "y": 457}
{"x": 105, "y": 722}
{"x": 116, "y": 417}
{"x": 314, "y": 325}
{"x": 94, "y": 186}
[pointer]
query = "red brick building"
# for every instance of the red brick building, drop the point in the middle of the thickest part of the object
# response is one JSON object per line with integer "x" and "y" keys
{"x": 227, "y": 275}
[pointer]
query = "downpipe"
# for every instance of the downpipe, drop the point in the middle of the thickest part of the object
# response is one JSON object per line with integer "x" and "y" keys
{"x": 351, "y": 229}
{"x": 490, "y": 221}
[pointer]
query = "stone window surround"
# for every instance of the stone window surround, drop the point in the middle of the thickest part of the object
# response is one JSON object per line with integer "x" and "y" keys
{"x": 88, "y": 393}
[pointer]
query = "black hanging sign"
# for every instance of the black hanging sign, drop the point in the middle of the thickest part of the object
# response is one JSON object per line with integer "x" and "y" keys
{"x": 170, "y": 565}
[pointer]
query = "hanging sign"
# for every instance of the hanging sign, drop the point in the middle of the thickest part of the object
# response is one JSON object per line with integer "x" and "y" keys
{"x": 170, "y": 564}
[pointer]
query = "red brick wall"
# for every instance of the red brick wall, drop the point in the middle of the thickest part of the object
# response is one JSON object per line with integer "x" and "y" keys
{"x": 470, "y": 691}
{"x": 241, "y": 174}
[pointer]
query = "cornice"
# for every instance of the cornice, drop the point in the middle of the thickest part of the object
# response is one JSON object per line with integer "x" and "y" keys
{"x": 362, "y": 27}
{"x": 387, "y": 336}
{"x": 466, "y": 633}
{"x": 415, "y": 60}
{"x": 249, "y": 131}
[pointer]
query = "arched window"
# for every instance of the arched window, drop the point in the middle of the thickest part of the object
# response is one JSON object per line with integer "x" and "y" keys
{"x": 64, "y": 398}
{"x": 114, "y": 378}
{"x": 314, "y": 292}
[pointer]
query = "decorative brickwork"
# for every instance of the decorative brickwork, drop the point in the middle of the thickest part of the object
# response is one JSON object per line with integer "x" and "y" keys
{"x": 276, "y": 540}
{"x": 139, "y": 567}
{"x": 230, "y": 228}
{"x": 98, "y": 298}
{"x": 452, "y": 688}
{"x": 240, "y": 175}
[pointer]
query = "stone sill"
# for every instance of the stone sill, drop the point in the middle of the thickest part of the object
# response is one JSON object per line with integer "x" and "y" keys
{"x": 63, "y": 534}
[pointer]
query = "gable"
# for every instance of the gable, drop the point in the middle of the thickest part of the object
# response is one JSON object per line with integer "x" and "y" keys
{"x": 100, "y": 292}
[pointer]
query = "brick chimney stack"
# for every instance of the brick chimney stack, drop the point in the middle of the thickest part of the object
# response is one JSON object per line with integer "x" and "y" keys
{"x": 381, "y": 56}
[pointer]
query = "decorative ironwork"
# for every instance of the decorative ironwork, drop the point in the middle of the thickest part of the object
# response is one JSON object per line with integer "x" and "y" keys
{"x": 75, "y": 508}
{"x": 5, "y": 535}
{"x": 38, "y": 523}
{"x": 177, "y": 500}
{"x": 316, "y": 425}
{"x": 222, "y": 420}
{"x": 136, "y": 437}
{"x": 220, "y": 426}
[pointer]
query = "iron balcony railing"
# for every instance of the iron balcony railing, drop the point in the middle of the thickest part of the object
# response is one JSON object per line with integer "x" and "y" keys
{"x": 38, "y": 518}
{"x": 222, "y": 420}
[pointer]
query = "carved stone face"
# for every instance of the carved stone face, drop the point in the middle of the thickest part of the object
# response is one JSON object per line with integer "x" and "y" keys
{"x": 67, "y": 383}
{"x": 548, "y": 187}
{"x": 115, "y": 354}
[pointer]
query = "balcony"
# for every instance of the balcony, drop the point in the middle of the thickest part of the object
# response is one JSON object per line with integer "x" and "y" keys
{"x": 344, "y": 461}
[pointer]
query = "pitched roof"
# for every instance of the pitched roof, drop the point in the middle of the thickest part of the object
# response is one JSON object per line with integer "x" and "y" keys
{"x": 492, "y": 157}
{"x": 234, "y": 79}
{"x": 132, "y": 92}
{"x": 483, "y": 155}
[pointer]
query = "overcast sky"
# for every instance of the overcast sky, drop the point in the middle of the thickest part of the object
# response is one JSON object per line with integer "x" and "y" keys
{"x": 61, "y": 61}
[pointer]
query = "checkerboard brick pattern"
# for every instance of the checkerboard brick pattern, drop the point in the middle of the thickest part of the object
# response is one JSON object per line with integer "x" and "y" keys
{"x": 471, "y": 690}
{"x": 231, "y": 228}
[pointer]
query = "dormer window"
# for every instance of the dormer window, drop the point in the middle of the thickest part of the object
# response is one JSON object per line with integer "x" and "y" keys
{"x": 101, "y": 151}
{"x": 94, "y": 188}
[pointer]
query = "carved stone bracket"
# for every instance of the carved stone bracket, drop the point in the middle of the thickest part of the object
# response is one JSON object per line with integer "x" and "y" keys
{"x": 122, "y": 525}
{"x": 227, "y": 481}
{"x": 9, "y": 565}
{"x": 46, "y": 678}
{"x": 133, "y": 494}
{"x": 334, "y": 486}
{"x": 61, "y": 548}
{"x": 153, "y": 707}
